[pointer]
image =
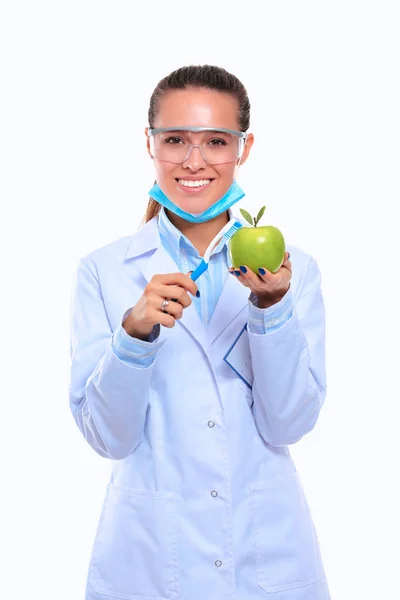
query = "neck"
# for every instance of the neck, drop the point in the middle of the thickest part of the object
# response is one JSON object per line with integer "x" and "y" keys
{"x": 200, "y": 234}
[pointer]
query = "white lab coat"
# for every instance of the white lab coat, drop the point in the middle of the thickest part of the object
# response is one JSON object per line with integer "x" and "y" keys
{"x": 204, "y": 501}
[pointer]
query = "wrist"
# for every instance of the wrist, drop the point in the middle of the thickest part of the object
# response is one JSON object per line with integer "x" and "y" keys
{"x": 270, "y": 300}
{"x": 267, "y": 302}
{"x": 131, "y": 328}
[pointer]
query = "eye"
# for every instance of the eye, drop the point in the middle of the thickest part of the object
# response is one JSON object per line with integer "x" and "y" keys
{"x": 173, "y": 140}
{"x": 217, "y": 142}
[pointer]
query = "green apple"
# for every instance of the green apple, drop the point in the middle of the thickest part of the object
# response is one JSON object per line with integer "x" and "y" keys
{"x": 257, "y": 246}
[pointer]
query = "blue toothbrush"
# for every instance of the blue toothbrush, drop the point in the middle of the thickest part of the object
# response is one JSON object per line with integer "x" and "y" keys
{"x": 226, "y": 232}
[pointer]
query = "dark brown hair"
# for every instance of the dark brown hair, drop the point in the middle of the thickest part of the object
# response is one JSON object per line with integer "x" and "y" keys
{"x": 201, "y": 76}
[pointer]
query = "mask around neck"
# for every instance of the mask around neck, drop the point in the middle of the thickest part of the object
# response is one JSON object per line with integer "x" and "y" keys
{"x": 233, "y": 195}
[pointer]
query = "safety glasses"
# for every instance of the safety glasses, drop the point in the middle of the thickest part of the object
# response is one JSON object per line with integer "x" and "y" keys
{"x": 217, "y": 146}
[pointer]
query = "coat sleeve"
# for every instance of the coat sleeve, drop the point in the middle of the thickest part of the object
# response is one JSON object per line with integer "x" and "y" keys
{"x": 108, "y": 396}
{"x": 289, "y": 386}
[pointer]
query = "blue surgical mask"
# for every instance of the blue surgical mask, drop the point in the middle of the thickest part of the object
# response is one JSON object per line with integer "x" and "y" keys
{"x": 233, "y": 195}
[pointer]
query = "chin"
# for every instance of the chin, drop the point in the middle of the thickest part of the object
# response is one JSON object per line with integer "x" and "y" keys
{"x": 194, "y": 207}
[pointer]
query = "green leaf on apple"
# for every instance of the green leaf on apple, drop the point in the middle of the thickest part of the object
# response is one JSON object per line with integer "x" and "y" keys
{"x": 260, "y": 214}
{"x": 247, "y": 216}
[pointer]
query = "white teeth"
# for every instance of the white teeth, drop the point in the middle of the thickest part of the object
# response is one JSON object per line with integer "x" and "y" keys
{"x": 199, "y": 183}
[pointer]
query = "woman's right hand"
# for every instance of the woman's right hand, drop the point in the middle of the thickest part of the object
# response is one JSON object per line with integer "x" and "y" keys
{"x": 147, "y": 312}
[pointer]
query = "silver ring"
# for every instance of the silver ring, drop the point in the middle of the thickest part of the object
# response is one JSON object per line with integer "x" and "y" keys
{"x": 164, "y": 304}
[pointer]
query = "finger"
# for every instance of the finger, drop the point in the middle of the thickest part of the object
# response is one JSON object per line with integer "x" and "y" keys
{"x": 273, "y": 281}
{"x": 176, "y": 299}
{"x": 255, "y": 281}
{"x": 175, "y": 309}
{"x": 288, "y": 266}
{"x": 238, "y": 275}
{"x": 286, "y": 263}
{"x": 173, "y": 292}
{"x": 180, "y": 279}
{"x": 265, "y": 275}
{"x": 166, "y": 320}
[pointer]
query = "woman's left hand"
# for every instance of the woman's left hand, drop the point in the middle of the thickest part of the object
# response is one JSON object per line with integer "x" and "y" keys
{"x": 268, "y": 287}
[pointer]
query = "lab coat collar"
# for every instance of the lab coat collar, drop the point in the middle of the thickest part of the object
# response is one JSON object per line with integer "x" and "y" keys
{"x": 151, "y": 257}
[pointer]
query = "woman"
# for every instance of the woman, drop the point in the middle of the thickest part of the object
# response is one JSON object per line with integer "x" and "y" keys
{"x": 195, "y": 389}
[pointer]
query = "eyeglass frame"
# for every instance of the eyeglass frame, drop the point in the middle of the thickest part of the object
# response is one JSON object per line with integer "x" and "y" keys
{"x": 241, "y": 134}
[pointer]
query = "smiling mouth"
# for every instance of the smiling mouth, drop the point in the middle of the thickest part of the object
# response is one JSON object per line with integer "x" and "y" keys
{"x": 194, "y": 183}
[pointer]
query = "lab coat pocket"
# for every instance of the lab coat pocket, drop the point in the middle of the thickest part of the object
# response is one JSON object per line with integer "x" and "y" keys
{"x": 135, "y": 552}
{"x": 286, "y": 545}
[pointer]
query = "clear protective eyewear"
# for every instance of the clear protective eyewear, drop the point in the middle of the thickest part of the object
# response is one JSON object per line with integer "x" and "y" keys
{"x": 217, "y": 146}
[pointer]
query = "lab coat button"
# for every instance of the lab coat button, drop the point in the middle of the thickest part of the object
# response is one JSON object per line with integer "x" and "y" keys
{"x": 214, "y": 494}
{"x": 211, "y": 423}
{"x": 218, "y": 563}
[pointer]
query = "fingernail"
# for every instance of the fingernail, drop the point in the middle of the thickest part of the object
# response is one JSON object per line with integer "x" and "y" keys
{"x": 243, "y": 269}
{"x": 232, "y": 272}
{"x": 288, "y": 255}
{"x": 261, "y": 271}
{"x": 198, "y": 294}
{"x": 237, "y": 273}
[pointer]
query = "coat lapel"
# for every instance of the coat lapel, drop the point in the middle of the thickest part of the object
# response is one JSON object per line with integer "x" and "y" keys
{"x": 232, "y": 301}
{"x": 151, "y": 258}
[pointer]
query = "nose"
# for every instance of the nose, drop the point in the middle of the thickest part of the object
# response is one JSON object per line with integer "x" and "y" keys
{"x": 195, "y": 159}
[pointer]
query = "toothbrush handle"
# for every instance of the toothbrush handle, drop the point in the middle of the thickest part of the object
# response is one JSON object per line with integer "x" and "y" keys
{"x": 203, "y": 266}
{"x": 227, "y": 231}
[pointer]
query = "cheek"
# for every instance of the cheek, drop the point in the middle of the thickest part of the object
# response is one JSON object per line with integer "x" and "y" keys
{"x": 161, "y": 168}
{"x": 225, "y": 178}
{"x": 163, "y": 173}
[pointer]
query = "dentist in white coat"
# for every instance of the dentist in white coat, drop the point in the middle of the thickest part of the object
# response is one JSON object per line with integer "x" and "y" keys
{"x": 196, "y": 389}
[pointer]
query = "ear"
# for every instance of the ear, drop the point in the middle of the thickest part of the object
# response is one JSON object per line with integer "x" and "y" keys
{"x": 146, "y": 129}
{"x": 247, "y": 147}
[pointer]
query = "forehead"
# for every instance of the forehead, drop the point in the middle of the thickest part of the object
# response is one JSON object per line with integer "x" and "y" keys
{"x": 198, "y": 107}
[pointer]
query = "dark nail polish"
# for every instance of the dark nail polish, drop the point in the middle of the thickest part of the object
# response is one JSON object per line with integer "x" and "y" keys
{"x": 232, "y": 272}
{"x": 261, "y": 271}
{"x": 198, "y": 294}
{"x": 288, "y": 255}
{"x": 237, "y": 273}
{"x": 243, "y": 269}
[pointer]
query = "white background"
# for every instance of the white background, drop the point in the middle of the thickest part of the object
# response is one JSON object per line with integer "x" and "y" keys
{"x": 76, "y": 78}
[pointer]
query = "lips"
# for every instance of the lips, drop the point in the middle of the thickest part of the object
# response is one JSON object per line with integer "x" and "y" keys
{"x": 194, "y": 178}
{"x": 193, "y": 189}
